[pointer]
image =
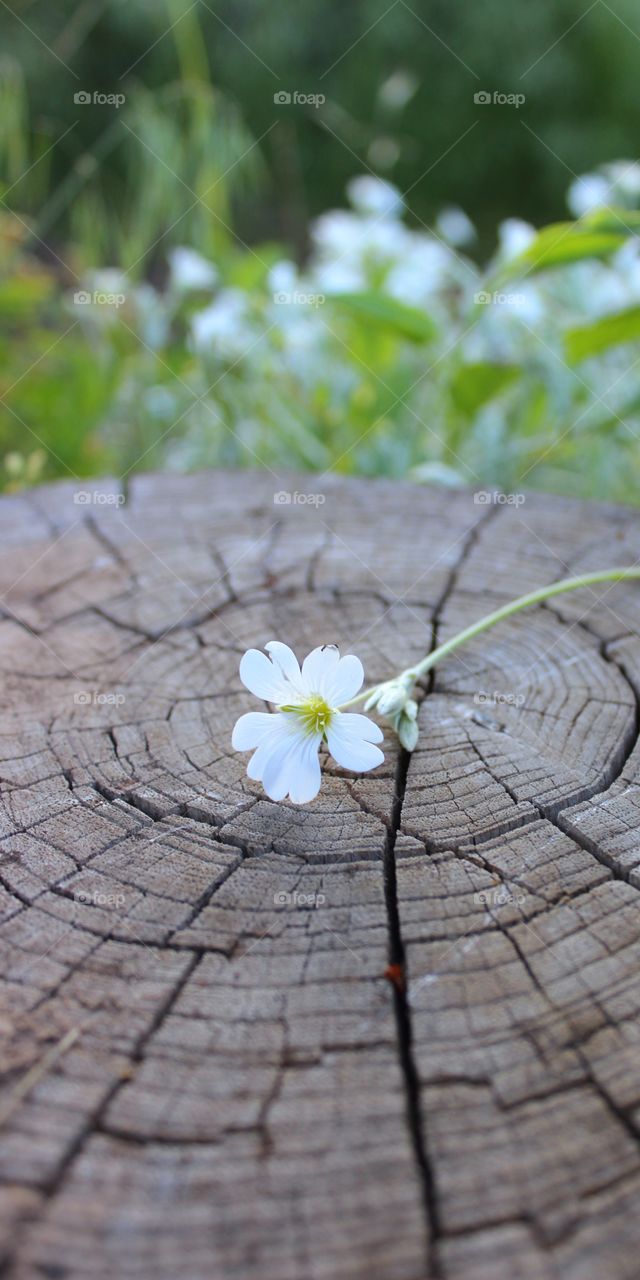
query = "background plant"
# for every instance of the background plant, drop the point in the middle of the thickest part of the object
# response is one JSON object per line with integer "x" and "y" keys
{"x": 252, "y": 327}
{"x": 397, "y": 98}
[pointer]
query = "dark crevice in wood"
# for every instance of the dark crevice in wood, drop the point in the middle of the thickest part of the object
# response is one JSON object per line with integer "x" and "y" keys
{"x": 262, "y": 1124}
{"x": 397, "y": 956}
{"x": 183, "y": 809}
{"x": 492, "y": 833}
{"x": 590, "y": 846}
{"x": 112, "y": 549}
{"x": 397, "y": 968}
{"x": 314, "y": 561}
{"x": 585, "y": 842}
{"x": 136, "y": 1139}
{"x": 469, "y": 541}
{"x": 225, "y": 573}
{"x": 446, "y": 845}
{"x": 142, "y": 803}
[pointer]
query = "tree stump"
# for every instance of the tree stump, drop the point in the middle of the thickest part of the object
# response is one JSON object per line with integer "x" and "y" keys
{"x": 391, "y": 1035}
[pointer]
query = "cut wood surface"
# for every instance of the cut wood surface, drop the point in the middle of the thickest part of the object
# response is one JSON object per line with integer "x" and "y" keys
{"x": 392, "y": 1035}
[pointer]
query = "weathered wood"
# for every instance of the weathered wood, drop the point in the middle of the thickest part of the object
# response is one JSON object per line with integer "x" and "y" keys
{"x": 209, "y": 1070}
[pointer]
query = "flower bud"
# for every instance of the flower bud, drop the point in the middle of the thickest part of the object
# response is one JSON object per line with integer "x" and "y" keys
{"x": 391, "y": 697}
{"x": 392, "y": 701}
{"x": 408, "y": 732}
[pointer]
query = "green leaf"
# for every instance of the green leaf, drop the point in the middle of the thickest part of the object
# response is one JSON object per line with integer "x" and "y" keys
{"x": 617, "y": 419}
{"x": 624, "y": 221}
{"x": 563, "y": 243}
{"x": 382, "y": 310}
{"x": 611, "y": 331}
{"x": 22, "y": 297}
{"x": 475, "y": 384}
{"x": 250, "y": 270}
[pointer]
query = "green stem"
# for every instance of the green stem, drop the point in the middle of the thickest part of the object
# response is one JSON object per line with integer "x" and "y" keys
{"x": 498, "y": 615}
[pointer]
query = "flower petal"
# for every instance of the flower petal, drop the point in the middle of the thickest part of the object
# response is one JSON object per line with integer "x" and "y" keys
{"x": 306, "y": 782}
{"x": 349, "y": 741}
{"x": 278, "y": 735}
{"x": 318, "y": 666}
{"x": 286, "y": 660}
{"x": 250, "y": 729}
{"x": 344, "y": 681}
{"x": 357, "y": 726}
{"x": 276, "y": 773}
{"x": 261, "y": 677}
{"x": 286, "y": 760}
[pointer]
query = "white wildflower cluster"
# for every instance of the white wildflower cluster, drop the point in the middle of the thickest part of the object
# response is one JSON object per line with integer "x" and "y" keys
{"x": 501, "y": 389}
{"x": 616, "y": 185}
{"x": 392, "y": 351}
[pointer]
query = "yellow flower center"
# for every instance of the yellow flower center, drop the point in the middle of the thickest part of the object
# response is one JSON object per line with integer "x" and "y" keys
{"x": 315, "y": 713}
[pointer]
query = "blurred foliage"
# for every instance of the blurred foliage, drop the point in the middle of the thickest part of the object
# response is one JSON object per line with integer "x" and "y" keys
{"x": 162, "y": 171}
{"x": 173, "y": 293}
{"x": 389, "y": 353}
{"x": 399, "y": 83}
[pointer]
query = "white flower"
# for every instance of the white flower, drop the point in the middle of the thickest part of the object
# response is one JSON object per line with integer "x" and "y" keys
{"x": 624, "y": 175}
{"x": 224, "y": 327}
{"x": 455, "y": 227}
{"x": 283, "y": 277}
{"x": 591, "y": 191}
{"x": 375, "y": 196}
{"x": 285, "y": 744}
{"x": 515, "y": 236}
{"x": 189, "y": 270}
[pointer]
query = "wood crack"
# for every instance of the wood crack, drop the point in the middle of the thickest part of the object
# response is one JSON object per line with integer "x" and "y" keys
{"x": 397, "y": 956}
